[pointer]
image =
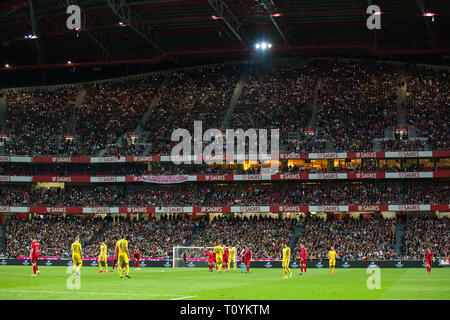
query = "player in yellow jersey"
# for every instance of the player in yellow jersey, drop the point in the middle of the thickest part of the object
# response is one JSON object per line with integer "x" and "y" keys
{"x": 77, "y": 256}
{"x": 103, "y": 257}
{"x": 332, "y": 255}
{"x": 218, "y": 250}
{"x": 286, "y": 261}
{"x": 232, "y": 258}
{"x": 122, "y": 246}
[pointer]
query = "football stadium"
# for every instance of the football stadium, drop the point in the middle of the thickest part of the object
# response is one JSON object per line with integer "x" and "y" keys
{"x": 224, "y": 150}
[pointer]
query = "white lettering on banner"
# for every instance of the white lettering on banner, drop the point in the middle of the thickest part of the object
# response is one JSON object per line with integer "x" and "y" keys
{"x": 251, "y": 177}
{"x": 165, "y": 179}
{"x": 366, "y": 175}
{"x": 136, "y": 209}
{"x": 369, "y": 208}
{"x": 212, "y": 209}
{"x": 289, "y": 208}
{"x": 5, "y": 159}
{"x": 61, "y": 179}
{"x": 61, "y": 159}
{"x": 290, "y": 176}
{"x": 5, "y": 209}
{"x": 56, "y": 209}
{"x": 142, "y": 158}
{"x": 5, "y": 178}
{"x": 322, "y": 155}
{"x": 215, "y": 178}
{"x": 366, "y": 154}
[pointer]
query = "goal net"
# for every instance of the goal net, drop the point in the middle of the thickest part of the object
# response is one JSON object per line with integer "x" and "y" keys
{"x": 182, "y": 255}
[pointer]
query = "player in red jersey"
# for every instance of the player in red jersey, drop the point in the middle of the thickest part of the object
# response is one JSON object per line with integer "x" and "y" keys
{"x": 116, "y": 257}
{"x": 225, "y": 259}
{"x": 303, "y": 257}
{"x": 213, "y": 258}
{"x": 137, "y": 259}
{"x": 209, "y": 258}
{"x": 34, "y": 255}
{"x": 247, "y": 259}
{"x": 429, "y": 258}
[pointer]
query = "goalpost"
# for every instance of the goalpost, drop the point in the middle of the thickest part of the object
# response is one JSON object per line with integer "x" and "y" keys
{"x": 191, "y": 253}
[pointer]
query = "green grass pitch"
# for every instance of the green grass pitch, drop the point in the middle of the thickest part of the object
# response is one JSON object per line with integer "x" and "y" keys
{"x": 185, "y": 284}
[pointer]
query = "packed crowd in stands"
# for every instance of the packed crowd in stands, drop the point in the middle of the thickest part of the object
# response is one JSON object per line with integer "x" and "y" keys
{"x": 357, "y": 101}
{"x": 278, "y": 99}
{"x": 427, "y": 232}
{"x": 37, "y": 119}
{"x": 54, "y": 233}
{"x": 360, "y": 239}
{"x": 399, "y": 145}
{"x": 243, "y": 195}
{"x": 306, "y": 145}
{"x": 428, "y": 105}
{"x": 112, "y": 109}
{"x": 202, "y": 95}
{"x": 353, "y": 239}
{"x": 264, "y": 236}
{"x": 153, "y": 238}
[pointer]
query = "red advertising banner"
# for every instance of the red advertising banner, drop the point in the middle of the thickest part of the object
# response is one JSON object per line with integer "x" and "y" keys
{"x": 285, "y": 156}
{"x": 243, "y": 209}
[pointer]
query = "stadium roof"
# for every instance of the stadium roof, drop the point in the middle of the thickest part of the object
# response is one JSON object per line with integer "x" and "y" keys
{"x": 186, "y": 32}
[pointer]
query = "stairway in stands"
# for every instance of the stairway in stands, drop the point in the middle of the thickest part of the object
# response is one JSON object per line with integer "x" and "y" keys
{"x": 400, "y": 245}
{"x": 315, "y": 105}
{"x": 195, "y": 232}
{"x": 76, "y": 107}
{"x": 294, "y": 237}
{"x": 140, "y": 127}
{"x": 238, "y": 89}
{"x": 108, "y": 225}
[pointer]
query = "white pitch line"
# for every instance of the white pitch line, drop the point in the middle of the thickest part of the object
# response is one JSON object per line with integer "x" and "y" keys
{"x": 96, "y": 293}
{"x": 184, "y": 298}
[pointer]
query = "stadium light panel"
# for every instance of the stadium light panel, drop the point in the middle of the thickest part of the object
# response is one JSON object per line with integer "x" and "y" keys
{"x": 263, "y": 45}
{"x": 276, "y": 15}
{"x": 7, "y": 65}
